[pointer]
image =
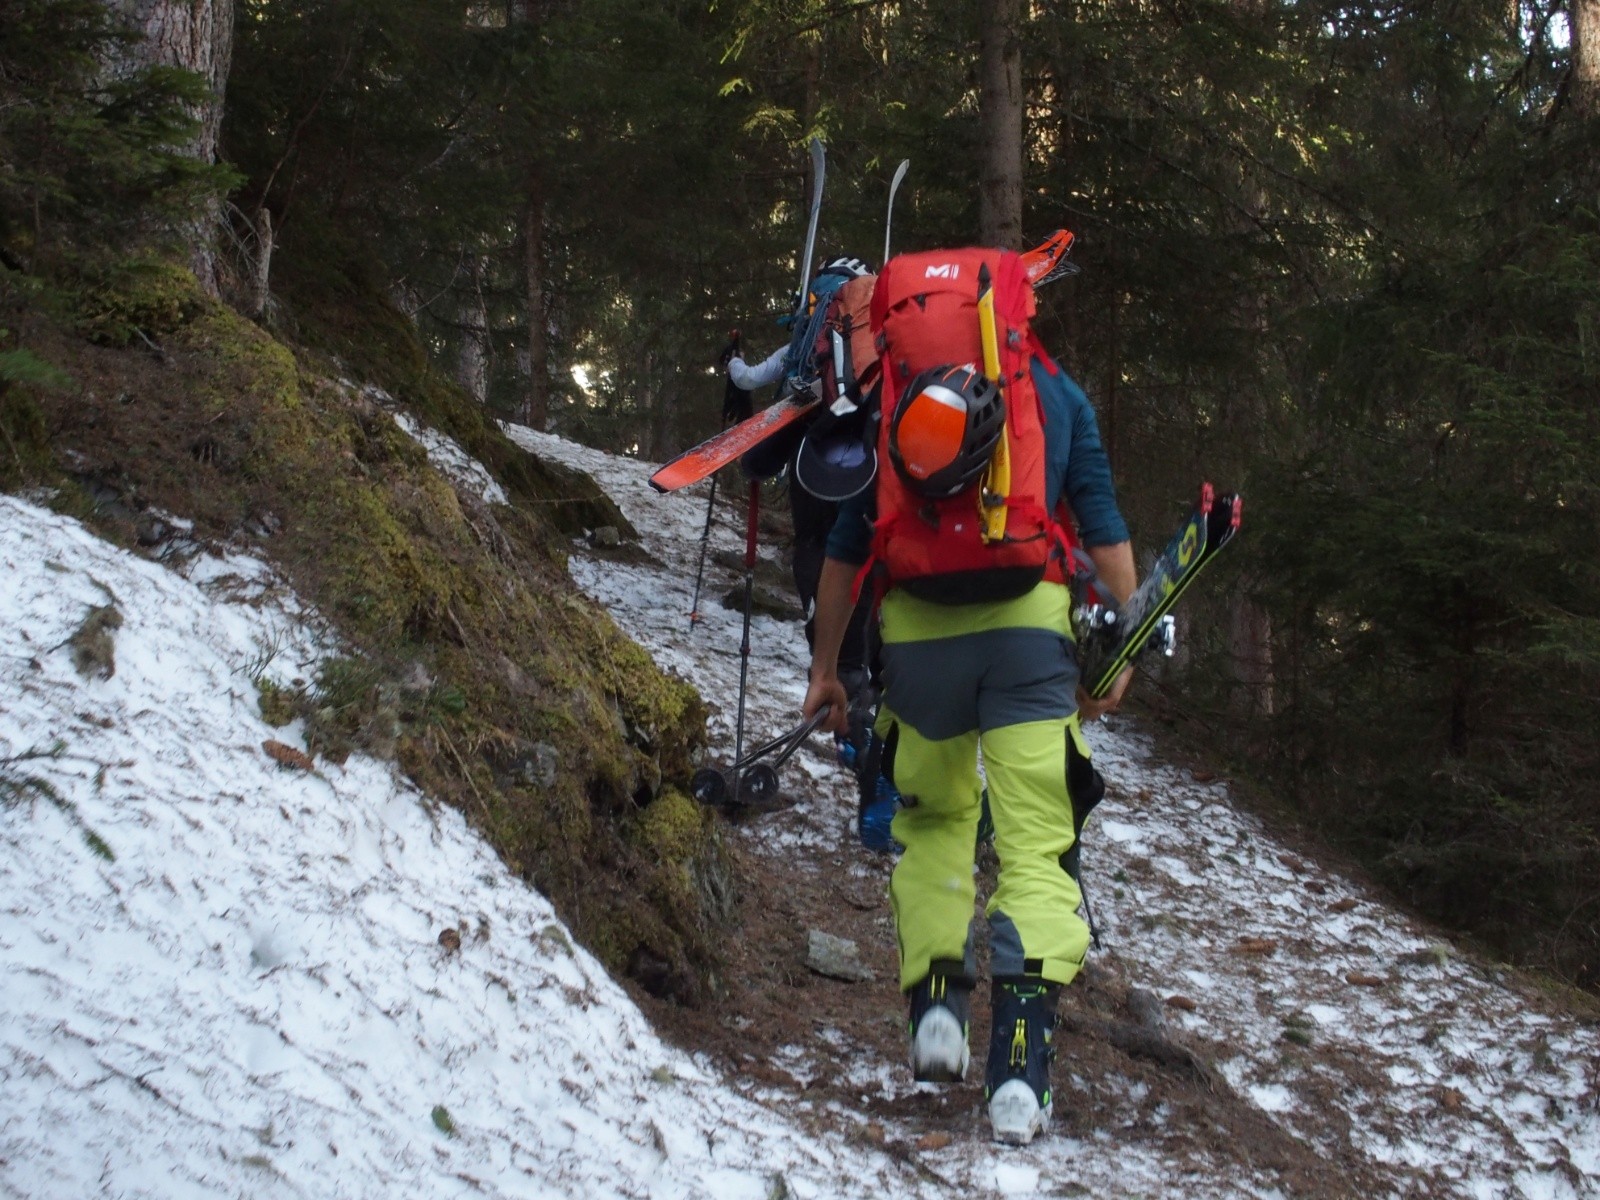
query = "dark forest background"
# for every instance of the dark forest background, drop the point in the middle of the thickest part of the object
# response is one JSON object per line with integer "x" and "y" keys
{"x": 1342, "y": 257}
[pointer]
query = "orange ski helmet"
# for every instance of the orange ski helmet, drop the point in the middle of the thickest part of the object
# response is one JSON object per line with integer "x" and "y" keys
{"x": 945, "y": 429}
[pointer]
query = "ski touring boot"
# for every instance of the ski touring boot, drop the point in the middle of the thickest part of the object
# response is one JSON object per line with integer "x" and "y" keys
{"x": 1017, "y": 1082}
{"x": 941, "y": 1014}
{"x": 877, "y": 816}
{"x": 862, "y": 752}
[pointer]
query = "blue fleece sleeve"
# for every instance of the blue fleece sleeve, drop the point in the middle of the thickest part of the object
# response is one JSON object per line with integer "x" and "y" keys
{"x": 1075, "y": 459}
{"x": 850, "y": 540}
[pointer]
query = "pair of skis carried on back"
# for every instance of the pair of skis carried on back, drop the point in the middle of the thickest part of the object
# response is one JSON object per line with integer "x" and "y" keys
{"x": 1045, "y": 262}
{"x": 1111, "y": 636}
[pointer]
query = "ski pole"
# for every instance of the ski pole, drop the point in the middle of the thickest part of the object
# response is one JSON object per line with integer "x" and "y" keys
{"x": 1088, "y": 913}
{"x": 735, "y": 408}
{"x": 700, "y": 570}
{"x": 753, "y": 512}
{"x": 790, "y": 739}
{"x": 710, "y": 786}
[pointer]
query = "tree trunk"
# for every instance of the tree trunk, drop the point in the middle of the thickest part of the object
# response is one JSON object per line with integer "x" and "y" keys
{"x": 1000, "y": 124}
{"x": 536, "y": 397}
{"x": 1585, "y": 23}
{"x": 536, "y": 401}
{"x": 196, "y": 35}
{"x": 663, "y": 404}
{"x": 1250, "y": 654}
{"x": 472, "y": 364}
{"x": 260, "y": 293}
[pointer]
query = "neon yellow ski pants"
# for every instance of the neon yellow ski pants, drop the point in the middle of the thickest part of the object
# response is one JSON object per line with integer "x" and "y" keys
{"x": 997, "y": 678}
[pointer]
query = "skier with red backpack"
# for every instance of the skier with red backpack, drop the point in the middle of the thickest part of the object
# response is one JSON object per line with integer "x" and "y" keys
{"x": 986, "y": 454}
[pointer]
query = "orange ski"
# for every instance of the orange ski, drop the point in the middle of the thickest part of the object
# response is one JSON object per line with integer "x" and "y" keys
{"x": 712, "y": 455}
{"x": 1048, "y": 260}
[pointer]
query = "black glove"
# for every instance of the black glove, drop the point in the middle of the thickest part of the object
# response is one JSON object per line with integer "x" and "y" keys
{"x": 737, "y": 404}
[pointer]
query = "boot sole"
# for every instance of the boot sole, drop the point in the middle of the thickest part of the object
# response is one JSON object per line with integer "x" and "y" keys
{"x": 939, "y": 1052}
{"x": 1015, "y": 1115}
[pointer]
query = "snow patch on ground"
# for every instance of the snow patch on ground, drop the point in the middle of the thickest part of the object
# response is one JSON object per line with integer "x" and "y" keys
{"x": 251, "y": 998}
{"x": 466, "y": 472}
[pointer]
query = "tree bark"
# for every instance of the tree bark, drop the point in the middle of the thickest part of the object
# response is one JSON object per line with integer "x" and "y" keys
{"x": 536, "y": 397}
{"x": 1250, "y": 654}
{"x": 1000, "y": 122}
{"x": 196, "y": 35}
{"x": 536, "y": 400}
{"x": 261, "y": 267}
{"x": 1585, "y": 23}
{"x": 472, "y": 364}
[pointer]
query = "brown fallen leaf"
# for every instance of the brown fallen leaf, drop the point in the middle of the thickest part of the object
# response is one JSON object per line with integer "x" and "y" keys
{"x": 1363, "y": 979}
{"x": 1255, "y": 946}
{"x": 1344, "y": 905}
{"x": 875, "y": 1133}
{"x": 1183, "y": 1002}
{"x": 450, "y": 939}
{"x": 1316, "y": 887}
{"x": 1451, "y": 1100}
{"x": 933, "y": 1141}
{"x": 287, "y": 756}
{"x": 1297, "y": 865}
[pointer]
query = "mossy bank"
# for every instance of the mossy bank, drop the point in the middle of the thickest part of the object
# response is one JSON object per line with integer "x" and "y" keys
{"x": 472, "y": 659}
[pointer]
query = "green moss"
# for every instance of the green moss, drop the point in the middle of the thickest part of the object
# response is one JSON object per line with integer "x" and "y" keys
{"x": 121, "y": 301}
{"x": 674, "y": 829}
{"x": 25, "y": 456}
{"x": 468, "y": 645}
{"x": 279, "y": 706}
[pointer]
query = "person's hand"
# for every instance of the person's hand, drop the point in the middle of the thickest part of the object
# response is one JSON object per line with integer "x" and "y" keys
{"x": 731, "y": 351}
{"x": 826, "y": 689}
{"x": 1090, "y": 709}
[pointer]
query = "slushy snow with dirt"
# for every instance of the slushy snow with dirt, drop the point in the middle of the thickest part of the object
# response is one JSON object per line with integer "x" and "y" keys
{"x": 221, "y": 976}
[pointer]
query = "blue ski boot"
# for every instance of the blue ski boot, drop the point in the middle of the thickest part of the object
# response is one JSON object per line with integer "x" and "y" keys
{"x": 876, "y": 817}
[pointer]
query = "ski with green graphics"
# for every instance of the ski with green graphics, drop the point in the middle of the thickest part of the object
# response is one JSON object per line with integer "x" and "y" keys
{"x": 1110, "y": 638}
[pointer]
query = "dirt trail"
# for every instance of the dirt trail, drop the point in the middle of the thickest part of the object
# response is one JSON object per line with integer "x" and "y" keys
{"x": 1253, "y": 1024}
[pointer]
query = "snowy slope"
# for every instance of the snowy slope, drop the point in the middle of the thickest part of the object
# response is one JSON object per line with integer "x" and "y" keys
{"x": 252, "y": 998}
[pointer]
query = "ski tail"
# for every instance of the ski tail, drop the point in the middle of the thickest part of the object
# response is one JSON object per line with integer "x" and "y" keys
{"x": 819, "y": 171}
{"x": 888, "y": 221}
{"x": 716, "y": 452}
{"x": 1107, "y": 650}
{"x": 1047, "y": 261}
